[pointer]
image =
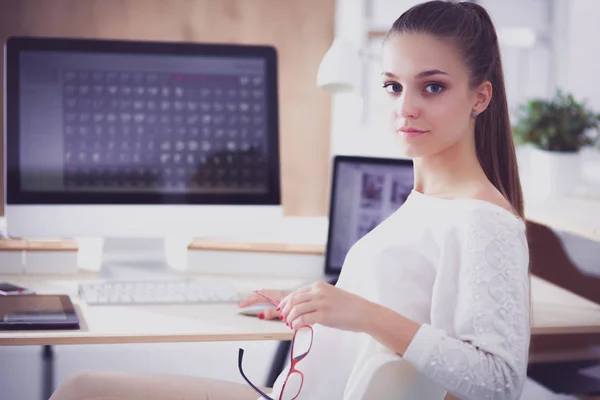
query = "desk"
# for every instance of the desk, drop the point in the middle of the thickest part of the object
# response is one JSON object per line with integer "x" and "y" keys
{"x": 555, "y": 311}
{"x": 148, "y": 323}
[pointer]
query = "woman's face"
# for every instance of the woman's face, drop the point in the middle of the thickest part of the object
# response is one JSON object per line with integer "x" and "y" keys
{"x": 430, "y": 100}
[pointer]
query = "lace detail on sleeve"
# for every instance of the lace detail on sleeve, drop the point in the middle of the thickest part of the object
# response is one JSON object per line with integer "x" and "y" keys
{"x": 488, "y": 358}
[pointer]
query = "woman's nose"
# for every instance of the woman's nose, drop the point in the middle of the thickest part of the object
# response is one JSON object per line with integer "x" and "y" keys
{"x": 407, "y": 105}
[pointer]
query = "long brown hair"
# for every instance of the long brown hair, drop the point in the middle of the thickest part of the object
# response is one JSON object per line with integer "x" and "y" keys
{"x": 470, "y": 27}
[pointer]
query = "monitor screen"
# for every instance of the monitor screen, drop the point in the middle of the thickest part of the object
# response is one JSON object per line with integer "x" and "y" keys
{"x": 365, "y": 191}
{"x": 123, "y": 122}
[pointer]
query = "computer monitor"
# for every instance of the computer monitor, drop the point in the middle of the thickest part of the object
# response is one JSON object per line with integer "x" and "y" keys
{"x": 121, "y": 138}
{"x": 364, "y": 192}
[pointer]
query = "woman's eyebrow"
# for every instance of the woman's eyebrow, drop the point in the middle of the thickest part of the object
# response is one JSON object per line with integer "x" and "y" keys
{"x": 389, "y": 75}
{"x": 420, "y": 75}
{"x": 431, "y": 72}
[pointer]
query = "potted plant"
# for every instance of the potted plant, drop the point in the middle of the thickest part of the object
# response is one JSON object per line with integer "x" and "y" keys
{"x": 556, "y": 130}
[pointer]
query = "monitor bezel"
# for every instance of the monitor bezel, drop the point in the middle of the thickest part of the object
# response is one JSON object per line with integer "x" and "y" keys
{"x": 14, "y": 46}
{"x": 337, "y": 160}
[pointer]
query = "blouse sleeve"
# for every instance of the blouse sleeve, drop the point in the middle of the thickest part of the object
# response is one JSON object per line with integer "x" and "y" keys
{"x": 486, "y": 259}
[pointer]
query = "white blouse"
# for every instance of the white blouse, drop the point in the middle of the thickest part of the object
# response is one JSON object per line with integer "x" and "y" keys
{"x": 459, "y": 267}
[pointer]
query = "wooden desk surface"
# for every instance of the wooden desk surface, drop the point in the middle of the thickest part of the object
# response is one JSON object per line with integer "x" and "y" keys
{"x": 148, "y": 323}
{"x": 556, "y": 311}
{"x": 559, "y": 311}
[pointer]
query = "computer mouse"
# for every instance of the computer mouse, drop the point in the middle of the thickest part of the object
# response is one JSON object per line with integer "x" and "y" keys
{"x": 254, "y": 309}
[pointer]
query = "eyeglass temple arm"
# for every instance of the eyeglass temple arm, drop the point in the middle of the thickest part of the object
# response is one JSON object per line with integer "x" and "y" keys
{"x": 273, "y": 301}
{"x": 240, "y": 357}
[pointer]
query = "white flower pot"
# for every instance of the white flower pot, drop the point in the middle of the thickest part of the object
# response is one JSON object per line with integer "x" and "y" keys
{"x": 554, "y": 174}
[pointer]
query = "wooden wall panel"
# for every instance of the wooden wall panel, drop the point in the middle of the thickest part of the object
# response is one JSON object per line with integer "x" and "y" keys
{"x": 301, "y": 30}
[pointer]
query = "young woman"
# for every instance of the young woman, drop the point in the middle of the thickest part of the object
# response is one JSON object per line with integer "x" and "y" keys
{"x": 443, "y": 283}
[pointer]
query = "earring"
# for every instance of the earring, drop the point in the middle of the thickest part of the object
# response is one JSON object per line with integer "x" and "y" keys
{"x": 474, "y": 114}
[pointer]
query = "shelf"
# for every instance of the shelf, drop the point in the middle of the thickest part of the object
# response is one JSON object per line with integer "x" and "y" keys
{"x": 229, "y": 245}
{"x": 37, "y": 245}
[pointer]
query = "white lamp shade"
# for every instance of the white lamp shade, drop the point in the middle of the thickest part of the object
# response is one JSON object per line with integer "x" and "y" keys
{"x": 340, "y": 68}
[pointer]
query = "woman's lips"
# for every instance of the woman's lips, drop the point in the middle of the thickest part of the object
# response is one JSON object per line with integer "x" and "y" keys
{"x": 411, "y": 132}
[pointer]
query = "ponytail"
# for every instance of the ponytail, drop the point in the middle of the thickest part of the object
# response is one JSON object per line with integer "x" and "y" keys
{"x": 495, "y": 145}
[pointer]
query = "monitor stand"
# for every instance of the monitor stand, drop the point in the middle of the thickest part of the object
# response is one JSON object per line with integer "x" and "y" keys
{"x": 136, "y": 259}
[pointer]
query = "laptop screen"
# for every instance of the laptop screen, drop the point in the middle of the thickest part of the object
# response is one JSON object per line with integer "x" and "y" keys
{"x": 364, "y": 192}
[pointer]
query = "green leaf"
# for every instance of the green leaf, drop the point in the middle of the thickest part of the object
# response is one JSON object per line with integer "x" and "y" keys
{"x": 558, "y": 124}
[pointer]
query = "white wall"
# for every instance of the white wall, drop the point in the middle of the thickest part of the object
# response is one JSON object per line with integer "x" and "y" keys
{"x": 349, "y": 26}
{"x": 579, "y": 50}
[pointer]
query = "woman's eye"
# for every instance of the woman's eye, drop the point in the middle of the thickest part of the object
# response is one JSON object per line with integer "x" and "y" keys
{"x": 392, "y": 87}
{"x": 434, "y": 88}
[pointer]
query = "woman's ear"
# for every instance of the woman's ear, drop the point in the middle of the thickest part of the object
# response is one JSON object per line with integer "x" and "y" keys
{"x": 483, "y": 96}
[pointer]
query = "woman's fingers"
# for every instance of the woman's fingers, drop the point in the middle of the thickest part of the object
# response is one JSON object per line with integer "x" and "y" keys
{"x": 298, "y": 311}
{"x": 309, "y": 318}
{"x": 294, "y": 301}
{"x": 269, "y": 313}
{"x": 286, "y": 299}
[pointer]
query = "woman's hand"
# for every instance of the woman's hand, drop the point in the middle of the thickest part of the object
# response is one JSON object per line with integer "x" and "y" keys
{"x": 269, "y": 313}
{"x": 325, "y": 304}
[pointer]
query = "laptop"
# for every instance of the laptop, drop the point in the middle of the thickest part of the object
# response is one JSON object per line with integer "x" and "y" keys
{"x": 364, "y": 191}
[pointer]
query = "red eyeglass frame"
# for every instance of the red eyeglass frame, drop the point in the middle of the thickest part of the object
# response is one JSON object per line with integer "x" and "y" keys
{"x": 293, "y": 361}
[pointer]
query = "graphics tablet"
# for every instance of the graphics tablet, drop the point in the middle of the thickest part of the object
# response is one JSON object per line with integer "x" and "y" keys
{"x": 34, "y": 311}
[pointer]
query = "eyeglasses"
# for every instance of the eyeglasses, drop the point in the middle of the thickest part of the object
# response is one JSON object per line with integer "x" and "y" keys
{"x": 301, "y": 345}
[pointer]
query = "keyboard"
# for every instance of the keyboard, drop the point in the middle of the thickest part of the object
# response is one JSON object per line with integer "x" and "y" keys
{"x": 159, "y": 292}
